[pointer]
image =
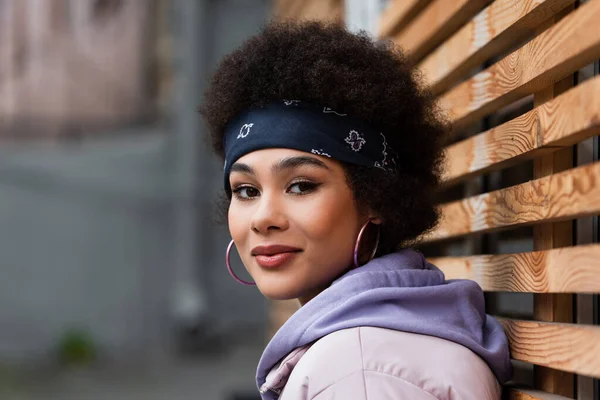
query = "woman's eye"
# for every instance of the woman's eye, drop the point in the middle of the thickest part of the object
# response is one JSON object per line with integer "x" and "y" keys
{"x": 302, "y": 187}
{"x": 245, "y": 192}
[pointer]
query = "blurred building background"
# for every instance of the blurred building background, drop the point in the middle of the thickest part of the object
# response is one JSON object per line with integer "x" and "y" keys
{"x": 107, "y": 189}
{"x": 110, "y": 258}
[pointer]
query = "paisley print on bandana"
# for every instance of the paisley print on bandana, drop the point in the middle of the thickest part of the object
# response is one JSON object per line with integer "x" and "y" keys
{"x": 312, "y": 128}
{"x": 355, "y": 141}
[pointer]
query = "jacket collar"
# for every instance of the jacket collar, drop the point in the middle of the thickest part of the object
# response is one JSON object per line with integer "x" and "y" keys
{"x": 279, "y": 375}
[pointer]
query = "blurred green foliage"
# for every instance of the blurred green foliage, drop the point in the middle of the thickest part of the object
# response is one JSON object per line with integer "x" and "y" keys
{"x": 76, "y": 347}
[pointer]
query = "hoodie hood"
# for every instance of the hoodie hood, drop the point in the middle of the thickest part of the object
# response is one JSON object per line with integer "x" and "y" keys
{"x": 399, "y": 291}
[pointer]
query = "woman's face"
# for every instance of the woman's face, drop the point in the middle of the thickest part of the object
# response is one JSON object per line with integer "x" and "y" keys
{"x": 294, "y": 221}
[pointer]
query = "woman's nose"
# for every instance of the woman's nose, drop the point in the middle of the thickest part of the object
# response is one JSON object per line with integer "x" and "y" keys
{"x": 269, "y": 214}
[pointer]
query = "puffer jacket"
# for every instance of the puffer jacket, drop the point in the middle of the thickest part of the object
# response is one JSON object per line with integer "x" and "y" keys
{"x": 394, "y": 328}
{"x": 370, "y": 363}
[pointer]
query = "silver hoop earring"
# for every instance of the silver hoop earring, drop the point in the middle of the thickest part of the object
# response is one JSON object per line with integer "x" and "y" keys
{"x": 243, "y": 282}
{"x": 357, "y": 244}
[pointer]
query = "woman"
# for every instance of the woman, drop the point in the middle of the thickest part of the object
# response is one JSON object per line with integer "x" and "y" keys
{"x": 331, "y": 155}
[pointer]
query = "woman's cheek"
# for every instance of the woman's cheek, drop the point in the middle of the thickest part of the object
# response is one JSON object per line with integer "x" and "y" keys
{"x": 236, "y": 221}
{"x": 331, "y": 217}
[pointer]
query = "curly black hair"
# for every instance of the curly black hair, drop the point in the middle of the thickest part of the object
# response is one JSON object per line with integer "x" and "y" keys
{"x": 323, "y": 63}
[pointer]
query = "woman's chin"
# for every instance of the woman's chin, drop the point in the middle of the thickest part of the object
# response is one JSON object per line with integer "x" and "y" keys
{"x": 278, "y": 290}
{"x": 278, "y": 294}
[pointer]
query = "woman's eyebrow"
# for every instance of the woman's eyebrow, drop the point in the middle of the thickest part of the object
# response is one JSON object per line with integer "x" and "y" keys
{"x": 243, "y": 168}
{"x": 293, "y": 162}
{"x": 284, "y": 163}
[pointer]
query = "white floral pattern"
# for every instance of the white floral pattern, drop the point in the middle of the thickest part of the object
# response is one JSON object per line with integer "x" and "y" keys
{"x": 244, "y": 130}
{"x": 327, "y": 110}
{"x": 320, "y": 152}
{"x": 384, "y": 164}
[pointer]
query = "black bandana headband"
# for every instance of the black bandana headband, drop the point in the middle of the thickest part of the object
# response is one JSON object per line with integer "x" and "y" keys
{"x": 293, "y": 124}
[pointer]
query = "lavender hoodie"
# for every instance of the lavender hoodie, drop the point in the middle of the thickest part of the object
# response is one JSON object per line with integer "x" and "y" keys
{"x": 399, "y": 291}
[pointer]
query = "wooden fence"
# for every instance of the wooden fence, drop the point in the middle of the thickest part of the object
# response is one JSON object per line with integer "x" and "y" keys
{"x": 480, "y": 57}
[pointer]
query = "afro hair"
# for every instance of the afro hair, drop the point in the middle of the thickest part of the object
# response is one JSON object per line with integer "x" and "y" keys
{"x": 325, "y": 64}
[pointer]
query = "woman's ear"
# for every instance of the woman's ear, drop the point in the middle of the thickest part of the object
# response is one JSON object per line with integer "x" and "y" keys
{"x": 376, "y": 220}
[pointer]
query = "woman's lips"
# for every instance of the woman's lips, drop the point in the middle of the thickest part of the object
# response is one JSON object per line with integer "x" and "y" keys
{"x": 275, "y": 260}
{"x": 274, "y": 256}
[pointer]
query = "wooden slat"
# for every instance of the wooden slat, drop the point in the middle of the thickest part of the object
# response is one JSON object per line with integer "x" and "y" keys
{"x": 562, "y": 196}
{"x": 553, "y": 307}
{"x": 440, "y": 19}
{"x": 566, "y": 347}
{"x": 564, "y": 121}
{"x": 567, "y": 46}
{"x": 527, "y": 394}
{"x": 492, "y": 31}
{"x": 398, "y": 14}
{"x": 563, "y": 270}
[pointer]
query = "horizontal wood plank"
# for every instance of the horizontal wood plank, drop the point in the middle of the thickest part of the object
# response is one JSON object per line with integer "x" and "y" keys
{"x": 398, "y": 14}
{"x": 566, "y": 347}
{"x": 530, "y": 394}
{"x": 567, "y": 195}
{"x": 563, "y": 270}
{"x": 439, "y": 20}
{"x": 492, "y": 31}
{"x": 562, "y": 49}
{"x": 561, "y": 122}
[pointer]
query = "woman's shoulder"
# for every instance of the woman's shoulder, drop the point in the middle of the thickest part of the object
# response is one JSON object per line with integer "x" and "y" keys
{"x": 435, "y": 365}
